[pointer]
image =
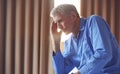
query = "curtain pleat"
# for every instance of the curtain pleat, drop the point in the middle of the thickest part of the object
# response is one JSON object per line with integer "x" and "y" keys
{"x": 44, "y": 45}
{"x": 83, "y": 8}
{"x": 90, "y": 7}
{"x": 28, "y": 37}
{"x": 10, "y": 36}
{"x": 19, "y": 37}
{"x": 113, "y": 16}
{"x": 50, "y": 65}
{"x": 36, "y": 37}
{"x": 108, "y": 9}
{"x": 24, "y": 36}
{"x": 97, "y": 9}
{"x": 2, "y": 35}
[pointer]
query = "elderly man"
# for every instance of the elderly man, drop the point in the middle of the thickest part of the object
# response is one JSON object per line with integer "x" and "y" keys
{"x": 91, "y": 49}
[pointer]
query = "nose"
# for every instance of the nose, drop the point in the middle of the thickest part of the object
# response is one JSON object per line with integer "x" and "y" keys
{"x": 59, "y": 26}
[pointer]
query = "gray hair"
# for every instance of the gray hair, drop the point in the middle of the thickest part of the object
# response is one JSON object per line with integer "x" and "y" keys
{"x": 63, "y": 9}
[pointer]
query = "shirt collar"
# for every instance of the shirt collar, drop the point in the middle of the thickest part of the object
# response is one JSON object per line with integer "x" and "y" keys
{"x": 82, "y": 24}
{"x": 81, "y": 27}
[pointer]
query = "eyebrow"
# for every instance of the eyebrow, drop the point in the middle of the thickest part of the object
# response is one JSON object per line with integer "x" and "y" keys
{"x": 59, "y": 20}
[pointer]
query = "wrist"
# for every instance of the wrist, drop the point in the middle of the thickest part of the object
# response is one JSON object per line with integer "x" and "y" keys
{"x": 56, "y": 48}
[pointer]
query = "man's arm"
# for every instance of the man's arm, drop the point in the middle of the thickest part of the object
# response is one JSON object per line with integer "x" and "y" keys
{"x": 61, "y": 65}
{"x": 98, "y": 35}
{"x": 55, "y": 37}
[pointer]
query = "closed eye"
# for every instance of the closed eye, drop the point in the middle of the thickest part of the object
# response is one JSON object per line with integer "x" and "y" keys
{"x": 59, "y": 21}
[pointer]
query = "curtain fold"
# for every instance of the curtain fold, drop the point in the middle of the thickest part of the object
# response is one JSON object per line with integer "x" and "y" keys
{"x": 36, "y": 36}
{"x": 2, "y": 35}
{"x": 19, "y": 36}
{"x": 44, "y": 39}
{"x": 28, "y": 49}
{"x": 24, "y": 36}
{"x": 10, "y": 36}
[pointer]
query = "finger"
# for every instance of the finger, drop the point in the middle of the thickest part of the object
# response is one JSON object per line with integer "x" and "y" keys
{"x": 53, "y": 26}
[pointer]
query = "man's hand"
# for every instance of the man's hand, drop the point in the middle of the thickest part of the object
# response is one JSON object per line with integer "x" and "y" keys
{"x": 77, "y": 72}
{"x": 55, "y": 37}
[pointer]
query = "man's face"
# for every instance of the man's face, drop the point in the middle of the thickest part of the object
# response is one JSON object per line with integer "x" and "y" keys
{"x": 64, "y": 23}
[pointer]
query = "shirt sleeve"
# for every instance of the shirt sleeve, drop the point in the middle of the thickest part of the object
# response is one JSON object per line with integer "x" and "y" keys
{"x": 62, "y": 65}
{"x": 98, "y": 35}
{"x": 58, "y": 62}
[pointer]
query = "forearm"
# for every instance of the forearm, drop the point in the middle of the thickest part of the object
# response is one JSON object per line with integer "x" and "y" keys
{"x": 58, "y": 63}
{"x": 95, "y": 65}
{"x": 62, "y": 65}
{"x": 55, "y": 37}
{"x": 56, "y": 46}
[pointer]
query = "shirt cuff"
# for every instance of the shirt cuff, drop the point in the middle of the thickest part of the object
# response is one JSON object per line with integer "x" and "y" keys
{"x": 58, "y": 62}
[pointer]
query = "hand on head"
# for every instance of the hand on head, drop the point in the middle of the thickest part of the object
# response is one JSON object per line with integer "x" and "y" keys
{"x": 55, "y": 36}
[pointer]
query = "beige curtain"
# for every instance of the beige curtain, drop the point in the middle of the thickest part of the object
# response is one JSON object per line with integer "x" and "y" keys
{"x": 24, "y": 36}
{"x": 108, "y": 9}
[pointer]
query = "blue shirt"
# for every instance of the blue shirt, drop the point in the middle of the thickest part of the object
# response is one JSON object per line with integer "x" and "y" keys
{"x": 94, "y": 51}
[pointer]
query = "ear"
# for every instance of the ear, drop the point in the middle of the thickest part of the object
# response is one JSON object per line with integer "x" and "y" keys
{"x": 73, "y": 15}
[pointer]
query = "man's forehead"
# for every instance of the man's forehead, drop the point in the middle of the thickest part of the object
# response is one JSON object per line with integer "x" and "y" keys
{"x": 57, "y": 18}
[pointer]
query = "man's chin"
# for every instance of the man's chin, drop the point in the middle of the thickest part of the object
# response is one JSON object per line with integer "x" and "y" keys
{"x": 66, "y": 33}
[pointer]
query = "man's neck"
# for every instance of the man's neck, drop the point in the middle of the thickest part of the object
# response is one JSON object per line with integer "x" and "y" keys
{"x": 76, "y": 29}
